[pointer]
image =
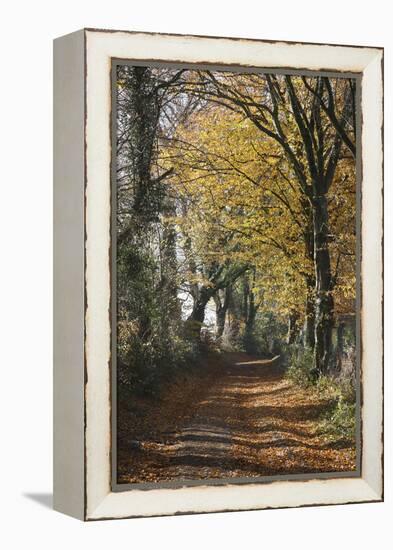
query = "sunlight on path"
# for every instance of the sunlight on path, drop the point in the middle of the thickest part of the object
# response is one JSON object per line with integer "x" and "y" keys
{"x": 251, "y": 422}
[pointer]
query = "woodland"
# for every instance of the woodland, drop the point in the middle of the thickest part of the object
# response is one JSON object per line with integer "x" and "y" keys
{"x": 236, "y": 273}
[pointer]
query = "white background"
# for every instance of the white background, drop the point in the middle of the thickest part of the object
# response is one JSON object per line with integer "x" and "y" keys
{"x": 28, "y": 28}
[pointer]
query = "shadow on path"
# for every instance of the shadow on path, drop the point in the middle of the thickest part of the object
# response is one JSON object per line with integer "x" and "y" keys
{"x": 251, "y": 421}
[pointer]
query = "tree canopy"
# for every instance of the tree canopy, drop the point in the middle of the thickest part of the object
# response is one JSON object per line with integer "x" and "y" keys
{"x": 237, "y": 190}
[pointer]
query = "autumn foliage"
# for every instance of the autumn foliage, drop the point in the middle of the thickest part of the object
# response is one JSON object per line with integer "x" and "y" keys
{"x": 236, "y": 226}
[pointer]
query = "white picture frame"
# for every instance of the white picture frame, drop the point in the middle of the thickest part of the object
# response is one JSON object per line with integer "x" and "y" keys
{"x": 82, "y": 334}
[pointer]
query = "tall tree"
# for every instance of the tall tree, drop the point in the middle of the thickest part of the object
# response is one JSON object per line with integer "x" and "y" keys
{"x": 146, "y": 245}
{"x": 284, "y": 109}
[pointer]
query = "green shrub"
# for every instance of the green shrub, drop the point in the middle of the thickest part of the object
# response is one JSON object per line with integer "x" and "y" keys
{"x": 299, "y": 362}
{"x": 339, "y": 419}
{"x": 144, "y": 361}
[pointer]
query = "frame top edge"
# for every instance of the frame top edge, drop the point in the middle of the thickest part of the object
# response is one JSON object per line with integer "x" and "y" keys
{"x": 232, "y": 38}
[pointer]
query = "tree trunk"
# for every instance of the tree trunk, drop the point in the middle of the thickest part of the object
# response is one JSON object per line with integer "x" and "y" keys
{"x": 171, "y": 308}
{"x": 309, "y": 321}
{"x": 292, "y": 328}
{"x": 340, "y": 344}
{"x": 222, "y": 303}
{"x": 309, "y": 325}
{"x": 143, "y": 133}
{"x": 249, "y": 314}
{"x": 198, "y": 310}
{"x": 220, "y": 320}
{"x": 324, "y": 306}
{"x": 249, "y": 338}
{"x": 142, "y": 109}
{"x": 197, "y": 316}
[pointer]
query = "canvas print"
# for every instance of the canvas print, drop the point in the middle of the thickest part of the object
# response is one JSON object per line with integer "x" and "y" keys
{"x": 235, "y": 246}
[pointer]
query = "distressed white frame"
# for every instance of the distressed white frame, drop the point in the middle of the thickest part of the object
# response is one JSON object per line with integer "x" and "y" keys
{"x": 100, "y": 48}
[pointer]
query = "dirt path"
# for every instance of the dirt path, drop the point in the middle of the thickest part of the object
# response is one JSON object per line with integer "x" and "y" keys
{"x": 241, "y": 419}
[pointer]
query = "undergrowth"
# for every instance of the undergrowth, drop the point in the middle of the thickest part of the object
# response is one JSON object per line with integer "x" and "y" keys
{"x": 339, "y": 419}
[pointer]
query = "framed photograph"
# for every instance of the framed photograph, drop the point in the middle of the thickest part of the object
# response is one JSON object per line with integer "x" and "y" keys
{"x": 218, "y": 274}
